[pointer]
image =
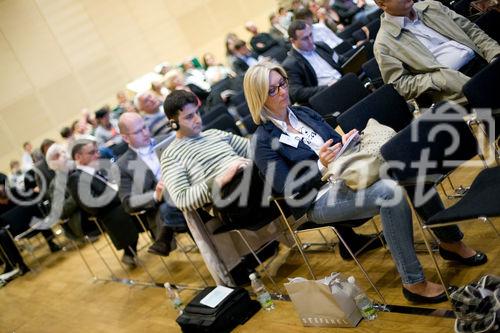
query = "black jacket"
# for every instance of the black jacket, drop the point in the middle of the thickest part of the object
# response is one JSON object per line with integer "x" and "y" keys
{"x": 303, "y": 82}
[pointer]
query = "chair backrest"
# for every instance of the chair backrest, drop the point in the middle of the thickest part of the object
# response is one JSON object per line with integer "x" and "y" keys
{"x": 356, "y": 60}
{"x": 213, "y": 113}
{"x": 277, "y": 52}
{"x": 441, "y": 133}
{"x": 462, "y": 7}
{"x": 489, "y": 22}
{"x": 249, "y": 124}
{"x": 482, "y": 89}
{"x": 243, "y": 110}
{"x": 384, "y": 105}
{"x": 342, "y": 48}
{"x": 372, "y": 70}
{"x": 346, "y": 34}
{"x": 337, "y": 98}
{"x": 224, "y": 122}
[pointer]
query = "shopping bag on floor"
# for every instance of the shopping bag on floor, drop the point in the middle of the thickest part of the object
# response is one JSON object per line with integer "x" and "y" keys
{"x": 323, "y": 302}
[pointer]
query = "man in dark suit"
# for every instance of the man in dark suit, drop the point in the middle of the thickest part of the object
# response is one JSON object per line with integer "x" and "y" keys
{"x": 310, "y": 66}
{"x": 98, "y": 197}
{"x": 141, "y": 187}
{"x": 244, "y": 58}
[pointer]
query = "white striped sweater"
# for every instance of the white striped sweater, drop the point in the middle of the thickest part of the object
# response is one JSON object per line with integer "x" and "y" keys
{"x": 189, "y": 165}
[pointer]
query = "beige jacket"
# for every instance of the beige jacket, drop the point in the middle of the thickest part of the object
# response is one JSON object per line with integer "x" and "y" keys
{"x": 406, "y": 63}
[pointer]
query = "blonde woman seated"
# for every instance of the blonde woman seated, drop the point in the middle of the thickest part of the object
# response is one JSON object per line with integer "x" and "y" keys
{"x": 293, "y": 146}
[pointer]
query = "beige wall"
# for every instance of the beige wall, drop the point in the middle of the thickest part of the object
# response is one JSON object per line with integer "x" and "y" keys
{"x": 59, "y": 56}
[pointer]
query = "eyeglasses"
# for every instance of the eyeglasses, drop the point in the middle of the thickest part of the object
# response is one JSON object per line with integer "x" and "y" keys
{"x": 142, "y": 129}
{"x": 274, "y": 90}
{"x": 91, "y": 152}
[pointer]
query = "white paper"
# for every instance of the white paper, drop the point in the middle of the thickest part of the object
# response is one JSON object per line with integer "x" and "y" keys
{"x": 351, "y": 142}
{"x": 216, "y": 296}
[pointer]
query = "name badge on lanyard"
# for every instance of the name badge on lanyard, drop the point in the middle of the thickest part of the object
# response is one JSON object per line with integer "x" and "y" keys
{"x": 288, "y": 140}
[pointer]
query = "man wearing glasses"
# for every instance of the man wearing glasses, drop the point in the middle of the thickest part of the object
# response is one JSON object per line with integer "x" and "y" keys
{"x": 96, "y": 195}
{"x": 141, "y": 187}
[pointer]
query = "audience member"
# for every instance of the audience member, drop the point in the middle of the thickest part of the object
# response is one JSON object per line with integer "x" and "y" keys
{"x": 260, "y": 41}
{"x": 215, "y": 72}
{"x": 428, "y": 51}
{"x": 244, "y": 58}
{"x": 320, "y": 32}
{"x": 152, "y": 112}
{"x": 97, "y": 196}
{"x": 26, "y": 158}
{"x": 16, "y": 176}
{"x": 351, "y": 12}
{"x": 310, "y": 66}
{"x": 277, "y": 31}
{"x": 63, "y": 207}
{"x": 311, "y": 139}
{"x": 175, "y": 80}
{"x": 141, "y": 187}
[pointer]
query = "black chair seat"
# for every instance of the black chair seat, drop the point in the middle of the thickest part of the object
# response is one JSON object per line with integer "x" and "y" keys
{"x": 480, "y": 200}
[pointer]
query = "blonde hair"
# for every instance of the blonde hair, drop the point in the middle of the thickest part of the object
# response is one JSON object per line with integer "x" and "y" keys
{"x": 170, "y": 76}
{"x": 256, "y": 86}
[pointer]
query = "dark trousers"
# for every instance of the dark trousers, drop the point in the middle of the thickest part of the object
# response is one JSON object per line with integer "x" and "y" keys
{"x": 8, "y": 251}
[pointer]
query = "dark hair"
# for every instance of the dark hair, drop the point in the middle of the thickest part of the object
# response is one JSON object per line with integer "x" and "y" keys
{"x": 65, "y": 132}
{"x": 102, "y": 112}
{"x": 25, "y": 144}
{"x": 303, "y": 14}
{"x": 78, "y": 145}
{"x": 239, "y": 44}
{"x": 176, "y": 100}
{"x": 46, "y": 143}
{"x": 294, "y": 26}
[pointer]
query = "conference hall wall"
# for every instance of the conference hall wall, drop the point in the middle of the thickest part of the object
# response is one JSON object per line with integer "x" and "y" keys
{"x": 59, "y": 56}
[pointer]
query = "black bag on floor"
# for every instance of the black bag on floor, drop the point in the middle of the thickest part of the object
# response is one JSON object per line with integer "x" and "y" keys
{"x": 232, "y": 311}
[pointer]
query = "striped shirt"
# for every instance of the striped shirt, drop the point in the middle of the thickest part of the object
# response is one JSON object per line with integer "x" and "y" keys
{"x": 189, "y": 165}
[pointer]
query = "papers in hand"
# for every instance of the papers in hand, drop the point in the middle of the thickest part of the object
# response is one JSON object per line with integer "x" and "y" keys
{"x": 350, "y": 143}
{"x": 216, "y": 296}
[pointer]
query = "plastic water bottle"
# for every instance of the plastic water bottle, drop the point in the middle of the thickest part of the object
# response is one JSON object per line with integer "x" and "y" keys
{"x": 260, "y": 290}
{"x": 363, "y": 302}
{"x": 174, "y": 297}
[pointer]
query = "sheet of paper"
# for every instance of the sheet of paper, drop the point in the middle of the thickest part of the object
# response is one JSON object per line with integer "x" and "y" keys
{"x": 216, "y": 296}
{"x": 351, "y": 142}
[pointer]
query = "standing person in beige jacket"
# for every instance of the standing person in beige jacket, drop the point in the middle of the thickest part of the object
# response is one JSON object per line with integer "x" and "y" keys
{"x": 428, "y": 51}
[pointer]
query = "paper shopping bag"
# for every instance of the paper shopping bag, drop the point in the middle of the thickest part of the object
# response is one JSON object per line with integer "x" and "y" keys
{"x": 319, "y": 303}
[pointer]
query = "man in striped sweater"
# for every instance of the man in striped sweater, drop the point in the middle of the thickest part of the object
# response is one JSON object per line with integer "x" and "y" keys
{"x": 197, "y": 164}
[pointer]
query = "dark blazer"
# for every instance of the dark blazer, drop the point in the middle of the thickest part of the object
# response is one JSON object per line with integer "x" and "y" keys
{"x": 286, "y": 157}
{"x": 303, "y": 82}
{"x": 240, "y": 66}
{"x": 119, "y": 225}
{"x": 137, "y": 189}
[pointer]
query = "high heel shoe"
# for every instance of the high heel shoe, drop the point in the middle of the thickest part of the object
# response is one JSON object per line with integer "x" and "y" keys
{"x": 478, "y": 259}
{"x": 416, "y": 298}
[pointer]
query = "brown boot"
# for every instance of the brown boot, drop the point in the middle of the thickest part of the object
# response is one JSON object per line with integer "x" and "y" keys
{"x": 162, "y": 245}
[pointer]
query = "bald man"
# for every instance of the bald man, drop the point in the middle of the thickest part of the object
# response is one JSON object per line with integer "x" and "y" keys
{"x": 140, "y": 183}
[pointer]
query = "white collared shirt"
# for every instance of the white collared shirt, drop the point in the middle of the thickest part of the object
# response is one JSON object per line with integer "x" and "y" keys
{"x": 325, "y": 73}
{"x": 321, "y": 33}
{"x": 448, "y": 53}
{"x": 149, "y": 157}
{"x": 312, "y": 139}
{"x": 91, "y": 171}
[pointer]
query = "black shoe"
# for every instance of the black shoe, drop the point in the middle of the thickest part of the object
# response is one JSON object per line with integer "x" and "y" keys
{"x": 54, "y": 247}
{"x": 23, "y": 269}
{"x": 416, "y": 298}
{"x": 478, "y": 259}
{"x": 160, "y": 248}
{"x": 358, "y": 242}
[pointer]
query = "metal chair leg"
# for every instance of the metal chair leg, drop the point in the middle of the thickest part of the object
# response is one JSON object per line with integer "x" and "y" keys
{"x": 113, "y": 275}
{"x": 183, "y": 250}
{"x": 141, "y": 222}
{"x": 258, "y": 259}
{"x": 296, "y": 240}
{"x": 106, "y": 238}
{"x": 94, "y": 276}
{"x": 359, "y": 265}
